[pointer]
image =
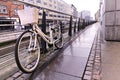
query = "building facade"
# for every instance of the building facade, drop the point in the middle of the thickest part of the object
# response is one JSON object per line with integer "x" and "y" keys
{"x": 8, "y": 13}
{"x": 97, "y": 15}
{"x": 8, "y": 10}
{"x": 110, "y": 18}
{"x": 56, "y": 5}
{"x": 74, "y": 12}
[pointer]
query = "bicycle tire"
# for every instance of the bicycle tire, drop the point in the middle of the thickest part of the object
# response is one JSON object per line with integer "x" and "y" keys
{"x": 20, "y": 51}
{"x": 59, "y": 43}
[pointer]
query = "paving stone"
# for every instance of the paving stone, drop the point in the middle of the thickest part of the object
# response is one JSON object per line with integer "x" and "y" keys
{"x": 91, "y": 59}
{"x": 97, "y": 57}
{"x": 17, "y": 74}
{"x": 20, "y": 78}
{"x": 93, "y": 68}
{"x": 97, "y": 64}
{"x": 25, "y": 76}
{"x": 96, "y": 72}
{"x": 98, "y": 51}
{"x": 90, "y": 62}
{"x": 98, "y": 48}
{"x": 89, "y": 69}
{"x": 97, "y": 61}
{"x": 10, "y": 78}
{"x": 92, "y": 55}
{"x": 86, "y": 77}
{"x": 96, "y": 77}
{"x": 89, "y": 65}
{"x": 88, "y": 73}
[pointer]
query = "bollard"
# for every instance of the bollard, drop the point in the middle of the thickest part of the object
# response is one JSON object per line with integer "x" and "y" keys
{"x": 61, "y": 26}
{"x": 75, "y": 27}
{"x": 83, "y": 24}
{"x": 79, "y": 24}
{"x": 70, "y": 27}
{"x": 43, "y": 43}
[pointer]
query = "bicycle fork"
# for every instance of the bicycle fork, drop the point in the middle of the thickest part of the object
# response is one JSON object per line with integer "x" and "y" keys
{"x": 33, "y": 42}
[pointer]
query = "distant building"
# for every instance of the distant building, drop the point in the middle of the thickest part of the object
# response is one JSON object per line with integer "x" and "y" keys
{"x": 101, "y": 8}
{"x": 57, "y": 5}
{"x": 85, "y": 14}
{"x": 91, "y": 18}
{"x": 74, "y": 11}
{"x": 97, "y": 15}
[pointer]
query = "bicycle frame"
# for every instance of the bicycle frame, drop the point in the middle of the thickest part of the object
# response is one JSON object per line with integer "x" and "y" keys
{"x": 48, "y": 39}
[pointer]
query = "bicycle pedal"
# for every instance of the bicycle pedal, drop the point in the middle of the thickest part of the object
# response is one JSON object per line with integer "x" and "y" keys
{"x": 50, "y": 45}
{"x": 55, "y": 37}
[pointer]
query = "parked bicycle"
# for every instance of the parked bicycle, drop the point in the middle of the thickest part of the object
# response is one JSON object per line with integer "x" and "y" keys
{"x": 27, "y": 49}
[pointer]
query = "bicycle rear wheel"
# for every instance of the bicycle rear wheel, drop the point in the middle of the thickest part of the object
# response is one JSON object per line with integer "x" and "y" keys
{"x": 27, "y": 54}
{"x": 59, "y": 42}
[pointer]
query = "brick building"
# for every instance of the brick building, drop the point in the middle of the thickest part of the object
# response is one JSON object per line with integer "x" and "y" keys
{"x": 8, "y": 12}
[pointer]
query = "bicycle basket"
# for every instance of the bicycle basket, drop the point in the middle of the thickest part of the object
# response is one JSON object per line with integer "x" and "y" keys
{"x": 28, "y": 16}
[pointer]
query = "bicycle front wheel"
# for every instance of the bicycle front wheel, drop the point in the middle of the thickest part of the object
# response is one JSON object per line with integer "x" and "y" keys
{"x": 27, "y": 52}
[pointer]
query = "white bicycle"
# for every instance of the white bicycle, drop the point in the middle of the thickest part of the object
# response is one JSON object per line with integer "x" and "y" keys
{"x": 27, "y": 49}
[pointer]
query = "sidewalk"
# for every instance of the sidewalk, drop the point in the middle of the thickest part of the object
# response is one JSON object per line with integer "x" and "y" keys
{"x": 104, "y": 60}
{"x": 71, "y": 62}
{"x": 110, "y": 53}
{"x": 79, "y": 62}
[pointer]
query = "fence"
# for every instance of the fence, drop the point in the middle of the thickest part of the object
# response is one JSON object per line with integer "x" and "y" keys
{"x": 68, "y": 27}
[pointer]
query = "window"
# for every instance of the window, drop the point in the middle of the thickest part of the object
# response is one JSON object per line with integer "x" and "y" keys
{"x": 45, "y": 3}
{"x": 50, "y": 5}
{"x": 30, "y": 0}
{"x": 59, "y": 16}
{"x": 3, "y": 9}
{"x": 54, "y": 15}
{"x": 39, "y": 1}
{"x": 40, "y": 13}
{"x": 50, "y": 0}
{"x": 46, "y": 14}
{"x": 55, "y": 7}
{"x": 50, "y": 15}
{"x": 15, "y": 11}
{"x": 62, "y": 16}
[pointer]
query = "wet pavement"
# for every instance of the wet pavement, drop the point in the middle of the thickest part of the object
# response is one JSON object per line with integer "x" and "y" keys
{"x": 110, "y": 54}
{"x": 93, "y": 67}
{"x": 70, "y": 64}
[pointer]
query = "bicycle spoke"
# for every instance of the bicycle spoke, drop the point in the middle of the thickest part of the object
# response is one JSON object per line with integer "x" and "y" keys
{"x": 28, "y": 55}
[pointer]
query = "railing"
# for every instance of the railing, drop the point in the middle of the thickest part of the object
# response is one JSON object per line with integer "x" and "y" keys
{"x": 9, "y": 36}
{"x": 69, "y": 27}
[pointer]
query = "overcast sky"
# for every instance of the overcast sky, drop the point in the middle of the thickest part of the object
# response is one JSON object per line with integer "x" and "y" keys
{"x": 91, "y": 5}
